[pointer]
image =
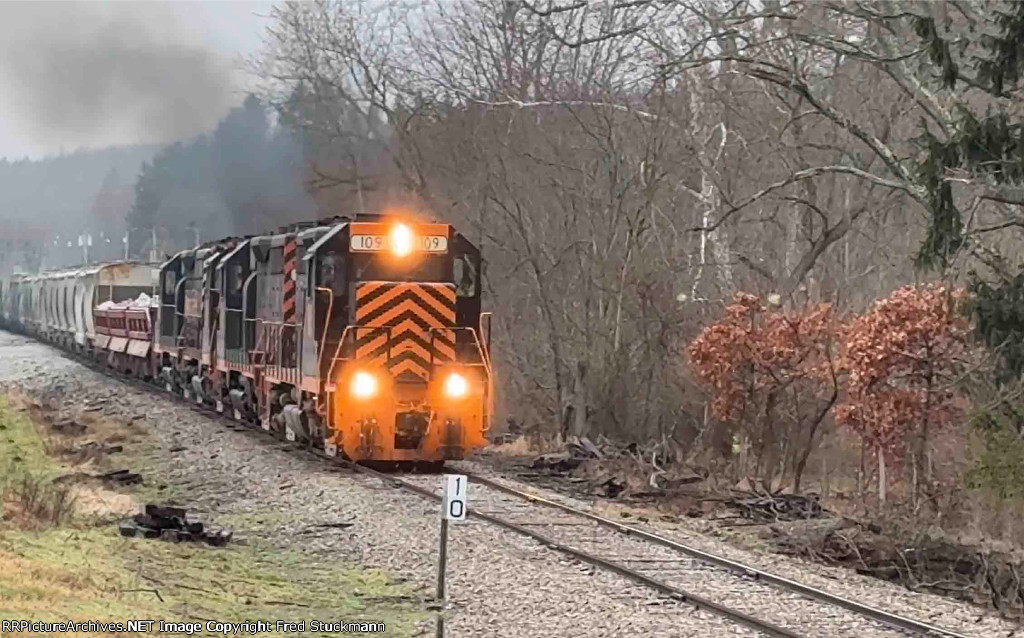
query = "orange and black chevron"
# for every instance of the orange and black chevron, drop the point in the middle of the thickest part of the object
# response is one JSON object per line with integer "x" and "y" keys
{"x": 418, "y": 318}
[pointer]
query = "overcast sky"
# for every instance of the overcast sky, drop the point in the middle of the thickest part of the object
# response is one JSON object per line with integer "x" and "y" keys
{"x": 92, "y": 74}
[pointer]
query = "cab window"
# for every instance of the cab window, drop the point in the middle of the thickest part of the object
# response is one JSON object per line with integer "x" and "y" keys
{"x": 331, "y": 272}
{"x": 465, "y": 276}
{"x": 235, "y": 279}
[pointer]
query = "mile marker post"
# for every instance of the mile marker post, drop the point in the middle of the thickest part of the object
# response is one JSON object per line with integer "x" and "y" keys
{"x": 456, "y": 489}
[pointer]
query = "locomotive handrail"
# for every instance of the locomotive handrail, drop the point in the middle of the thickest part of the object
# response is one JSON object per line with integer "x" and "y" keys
{"x": 260, "y": 340}
{"x": 484, "y": 360}
{"x": 487, "y": 350}
{"x": 277, "y": 327}
{"x": 327, "y": 324}
{"x": 177, "y": 292}
{"x": 341, "y": 342}
{"x": 245, "y": 318}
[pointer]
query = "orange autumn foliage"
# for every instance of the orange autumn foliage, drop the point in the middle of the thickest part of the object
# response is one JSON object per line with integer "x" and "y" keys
{"x": 773, "y": 376}
{"x": 901, "y": 359}
{"x": 777, "y": 375}
{"x": 755, "y": 350}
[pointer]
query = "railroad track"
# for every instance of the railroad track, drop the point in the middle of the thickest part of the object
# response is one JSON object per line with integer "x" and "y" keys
{"x": 767, "y": 603}
{"x": 770, "y": 604}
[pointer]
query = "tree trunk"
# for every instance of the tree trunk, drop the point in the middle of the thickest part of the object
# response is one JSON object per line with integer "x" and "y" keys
{"x": 826, "y": 483}
{"x": 860, "y": 470}
{"x": 769, "y": 451}
{"x": 921, "y": 454}
{"x": 709, "y": 196}
{"x": 579, "y": 400}
{"x": 806, "y": 452}
{"x": 881, "y": 476}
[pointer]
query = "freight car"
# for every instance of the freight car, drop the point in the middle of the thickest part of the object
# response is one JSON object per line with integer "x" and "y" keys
{"x": 364, "y": 337}
{"x": 59, "y": 306}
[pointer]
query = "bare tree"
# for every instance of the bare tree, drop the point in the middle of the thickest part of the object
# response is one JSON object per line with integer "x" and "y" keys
{"x": 626, "y": 166}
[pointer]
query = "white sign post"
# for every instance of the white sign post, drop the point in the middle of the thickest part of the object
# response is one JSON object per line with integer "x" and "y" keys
{"x": 454, "y": 503}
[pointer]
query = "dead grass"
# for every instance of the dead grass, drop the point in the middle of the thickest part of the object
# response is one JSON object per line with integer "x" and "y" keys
{"x": 94, "y": 574}
{"x": 36, "y": 454}
{"x": 99, "y": 502}
{"x": 28, "y": 496}
{"x": 62, "y": 558}
{"x": 31, "y": 501}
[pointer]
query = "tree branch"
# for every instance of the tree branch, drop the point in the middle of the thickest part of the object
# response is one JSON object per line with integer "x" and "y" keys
{"x": 799, "y": 176}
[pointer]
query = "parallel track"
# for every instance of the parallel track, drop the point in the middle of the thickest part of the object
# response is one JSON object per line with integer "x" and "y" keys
{"x": 900, "y": 624}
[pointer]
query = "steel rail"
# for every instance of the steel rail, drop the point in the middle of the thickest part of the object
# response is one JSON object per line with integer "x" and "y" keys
{"x": 894, "y": 621}
{"x": 891, "y": 620}
{"x": 673, "y": 592}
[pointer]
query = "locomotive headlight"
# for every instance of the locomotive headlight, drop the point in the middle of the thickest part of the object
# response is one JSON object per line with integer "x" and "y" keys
{"x": 456, "y": 386}
{"x": 364, "y": 385}
{"x": 401, "y": 240}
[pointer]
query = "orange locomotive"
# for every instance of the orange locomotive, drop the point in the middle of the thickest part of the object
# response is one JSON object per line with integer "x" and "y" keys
{"x": 363, "y": 336}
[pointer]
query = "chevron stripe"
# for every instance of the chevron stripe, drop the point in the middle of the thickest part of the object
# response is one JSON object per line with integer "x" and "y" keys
{"x": 390, "y": 314}
{"x": 375, "y": 341}
{"x": 380, "y": 297}
{"x": 410, "y": 345}
{"x": 445, "y": 293}
{"x": 413, "y": 313}
{"x": 444, "y": 340}
{"x": 378, "y": 346}
{"x": 441, "y": 305}
{"x": 439, "y": 299}
{"x": 444, "y": 345}
{"x": 368, "y": 313}
{"x": 409, "y": 365}
{"x": 368, "y": 288}
{"x": 384, "y": 314}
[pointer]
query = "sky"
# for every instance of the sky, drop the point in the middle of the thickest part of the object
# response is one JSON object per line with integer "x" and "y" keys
{"x": 93, "y": 74}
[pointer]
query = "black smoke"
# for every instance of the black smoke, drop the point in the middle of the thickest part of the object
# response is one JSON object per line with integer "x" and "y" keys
{"x": 85, "y": 74}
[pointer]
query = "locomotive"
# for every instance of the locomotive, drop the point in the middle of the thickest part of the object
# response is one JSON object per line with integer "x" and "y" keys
{"x": 363, "y": 337}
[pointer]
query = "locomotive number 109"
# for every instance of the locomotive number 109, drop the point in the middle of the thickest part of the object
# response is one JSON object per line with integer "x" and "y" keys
{"x": 424, "y": 243}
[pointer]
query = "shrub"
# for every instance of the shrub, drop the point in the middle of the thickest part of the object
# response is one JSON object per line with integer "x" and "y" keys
{"x": 772, "y": 377}
{"x": 902, "y": 359}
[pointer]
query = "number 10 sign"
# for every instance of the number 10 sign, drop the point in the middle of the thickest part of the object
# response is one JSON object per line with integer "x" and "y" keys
{"x": 456, "y": 496}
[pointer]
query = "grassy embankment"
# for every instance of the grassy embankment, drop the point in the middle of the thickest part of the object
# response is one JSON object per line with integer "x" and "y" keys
{"x": 61, "y": 557}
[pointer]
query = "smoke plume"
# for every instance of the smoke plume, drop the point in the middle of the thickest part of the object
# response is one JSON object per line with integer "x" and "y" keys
{"x": 85, "y": 74}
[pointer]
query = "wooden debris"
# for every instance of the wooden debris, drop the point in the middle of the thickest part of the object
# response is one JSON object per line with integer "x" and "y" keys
{"x": 121, "y": 477}
{"x": 69, "y": 427}
{"x": 172, "y": 524}
{"x": 777, "y": 507}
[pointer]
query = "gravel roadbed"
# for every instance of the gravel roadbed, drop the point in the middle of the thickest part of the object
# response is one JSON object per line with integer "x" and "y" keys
{"x": 945, "y": 613}
{"x": 499, "y": 583}
{"x": 779, "y": 607}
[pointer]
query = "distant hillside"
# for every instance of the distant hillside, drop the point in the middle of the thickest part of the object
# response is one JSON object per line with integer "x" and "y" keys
{"x": 46, "y": 203}
{"x": 58, "y": 191}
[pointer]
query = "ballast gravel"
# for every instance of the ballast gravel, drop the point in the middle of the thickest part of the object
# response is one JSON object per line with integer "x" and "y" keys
{"x": 960, "y": 617}
{"x": 499, "y": 583}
